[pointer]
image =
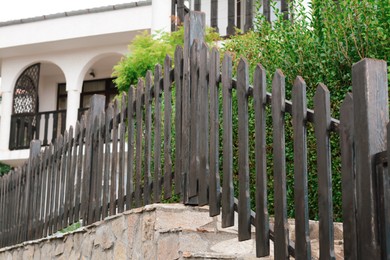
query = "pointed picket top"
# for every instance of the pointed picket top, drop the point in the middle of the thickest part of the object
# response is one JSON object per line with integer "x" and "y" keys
{"x": 243, "y": 76}
{"x": 214, "y": 59}
{"x": 178, "y": 52}
{"x": 322, "y": 99}
{"x": 259, "y": 84}
{"x": 204, "y": 58}
{"x": 278, "y": 90}
{"x": 157, "y": 77}
{"x": 228, "y": 190}
{"x": 140, "y": 89}
{"x": 227, "y": 71}
{"x": 167, "y": 66}
{"x": 299, "y": 96}
{"x": 262, "y": 218}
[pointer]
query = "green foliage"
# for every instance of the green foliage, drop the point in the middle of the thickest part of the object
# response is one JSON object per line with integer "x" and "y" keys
{"x": 146, "y": 51}
{"x": 71, "y": 228}
{"x": 4, "y": 169}
{"x": 321, "y": 47}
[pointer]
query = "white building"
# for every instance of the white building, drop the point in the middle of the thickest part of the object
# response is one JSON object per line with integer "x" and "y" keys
{"x": 51, "y": 65}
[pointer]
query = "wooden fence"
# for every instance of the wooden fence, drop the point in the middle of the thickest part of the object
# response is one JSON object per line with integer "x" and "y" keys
{"x": 162, "y": 141}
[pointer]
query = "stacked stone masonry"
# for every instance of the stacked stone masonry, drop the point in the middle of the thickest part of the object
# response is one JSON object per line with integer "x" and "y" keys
{"x": 159, "y": 231}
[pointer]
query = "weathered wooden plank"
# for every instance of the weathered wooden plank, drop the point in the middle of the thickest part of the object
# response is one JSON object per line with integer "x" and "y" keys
{"x": 6, "y": 206}
{"x": 35, "y": 147}
{"x": 203, "y": 119}
{"x": 178, "y": 119}
{"x": 384, "y": 191}
{"x": 299, "y": 113}
{"x": 49, "y": 190}
{"x": 62, "y": 183}
{"x": 148, "y": 137}
{"x": 157, "y": 135}
{"x": 80, "y": 160}
{"x": 72, "y": 172}
{"x": 138, "y": 140}
{"x": 44, "y": 186}
{"x": 348, "y": 178}
{"x": 262, "y": 218}
{"x": 214, "y": 179}
{"x": 40, "y": 197}
{"x": 370, "y": 98}
{"x": 57, "y": 196}
{"x": 114, "y": 160}
{"x": 244, "y": 210}
{"x": 69, "y": 179}
{"x": 228, "y": 190}
{"x": 10, "y": 212}
{"x": 58, "y": 183}
{"x": 2, "y": 209}
{"x": 194, "y": 28}
{"x": 325, "y": 204}
{"x": 279, "y": 157}
{"x": 194, "y": 126}
{"x": 121, "y": 188}
{"x": 13, "y": 209}
{"x": 167, "y": 129}
{"x": 34, "y": 195}
{"x": 100, "y": 165}
{"x": 54, "y": 171}
{"x": 93, "y": 174}
{"x": 130, "y": 147}
{"x": 107, "y": 140}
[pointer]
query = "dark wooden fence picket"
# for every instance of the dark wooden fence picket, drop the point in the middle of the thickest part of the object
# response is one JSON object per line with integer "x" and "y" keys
{"x": 214, "y": 181}
{"x": 262, "y": 219}
{"x": 299, "y": 112}
{"x": 325, "y": 204}
{"x": 244, "y": 210}
{"x": 279, "y": 168}
{"x": 228, "y": 190}
{"x": 123, "y": 156}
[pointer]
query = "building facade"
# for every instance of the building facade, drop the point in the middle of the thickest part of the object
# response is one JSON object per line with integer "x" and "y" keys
{"x": 51, "y": 65}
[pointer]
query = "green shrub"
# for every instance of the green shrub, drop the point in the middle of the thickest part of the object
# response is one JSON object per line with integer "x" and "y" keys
{"x": 4, "y": 168}
{"x": 321, "y": 47}
{"x": 146, "y": 51}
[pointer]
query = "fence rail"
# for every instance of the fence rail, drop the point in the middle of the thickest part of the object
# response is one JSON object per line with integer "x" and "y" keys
{"x": 163, "y": 140}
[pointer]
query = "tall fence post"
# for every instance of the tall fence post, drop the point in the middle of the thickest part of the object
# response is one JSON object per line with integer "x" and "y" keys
{"x": 194, "y": 28}
{"x": 35, "y": 149}
{"x": 370, "y": 99}
{"x": 97, "y": 105}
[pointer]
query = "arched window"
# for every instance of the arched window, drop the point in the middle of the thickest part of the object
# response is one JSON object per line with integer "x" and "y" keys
{"x": 26, "y": 91}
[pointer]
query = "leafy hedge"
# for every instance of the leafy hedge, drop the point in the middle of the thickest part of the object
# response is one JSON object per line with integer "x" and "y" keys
{"x": 320, "y": 46}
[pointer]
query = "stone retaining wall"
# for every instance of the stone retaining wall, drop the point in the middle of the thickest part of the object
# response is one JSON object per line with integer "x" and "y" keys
{"x": 159, "y": 231}
{"x": 170, "y": 231}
